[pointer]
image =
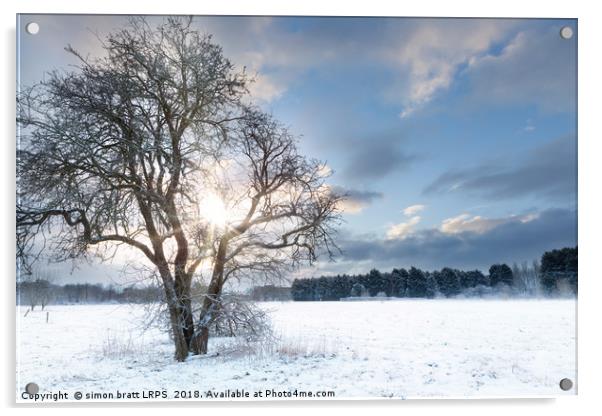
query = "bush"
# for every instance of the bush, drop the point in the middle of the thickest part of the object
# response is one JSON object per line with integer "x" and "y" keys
{"x": 239, "y": 318}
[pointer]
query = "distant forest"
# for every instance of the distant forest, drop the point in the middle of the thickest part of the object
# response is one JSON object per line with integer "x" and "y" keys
{"x": 556, "y": 274}
{"x": 41, "y": 292}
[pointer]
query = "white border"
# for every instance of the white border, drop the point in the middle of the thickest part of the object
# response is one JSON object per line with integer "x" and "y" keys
{"x": 590, "y": 160}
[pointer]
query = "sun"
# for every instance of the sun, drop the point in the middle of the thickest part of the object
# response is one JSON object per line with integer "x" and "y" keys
{"x": 214, "y": 210}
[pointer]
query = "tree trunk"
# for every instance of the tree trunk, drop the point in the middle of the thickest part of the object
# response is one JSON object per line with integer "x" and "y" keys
{"x": 214, "y": 291}
{"x": 201, "y": 340}
{"x": 182, "y": 288}
{"x": 175, "y": 315}
{"x": 178, "y": 334}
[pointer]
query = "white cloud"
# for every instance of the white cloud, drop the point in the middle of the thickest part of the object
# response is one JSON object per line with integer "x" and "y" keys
{"x": 325, "y": 171}
{"x": 431, "y": 55}
{"x": 402, "y": 230}
{"x": 536, "y": 66}
{"x": 476, "y": 224}
{"x": 349, "y": 206}
{"x": 354, "y": 201}
{"x": 265, "y": 88}
{"x": 426, "y": 54}
{"x": 413, "y": 209}
{"x": 529, "y": 217}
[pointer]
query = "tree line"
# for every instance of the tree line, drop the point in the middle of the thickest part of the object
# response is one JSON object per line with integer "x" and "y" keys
{"x": 41, "y": 292}
{"x": 556, "y": 274}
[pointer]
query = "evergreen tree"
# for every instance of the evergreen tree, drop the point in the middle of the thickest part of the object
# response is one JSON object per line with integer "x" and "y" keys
{"x": 436, "y": 277}
{"x": 399, "y": 283}
{"x": 341, "y": 287}
{"x": 571, "y": 267}
{"x": 417, "y": 284}
{"x": 448, "y": 282}
{"x": 301, "y": 290}
{"x": 467, "y": 279}
{"x": 479, "y": 278}
{"x": 375, "y": 282}
{"x": 431, "y": 285}
{"x": 314, "y": 289}
{"x": 501, "y": 274}
{"x": 296, "y": 290}
{"x": 557, "y": 265}
{"x": 389, "y": 283}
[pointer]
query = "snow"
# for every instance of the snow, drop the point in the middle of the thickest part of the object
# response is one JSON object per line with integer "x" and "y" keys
{"x": 390, "y": 349}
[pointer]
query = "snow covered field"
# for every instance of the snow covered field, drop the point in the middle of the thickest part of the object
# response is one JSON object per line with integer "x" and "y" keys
{"x": 397, "y": 349}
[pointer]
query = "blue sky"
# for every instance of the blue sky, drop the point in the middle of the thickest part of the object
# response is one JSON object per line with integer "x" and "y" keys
{"x": 455, "y": 138}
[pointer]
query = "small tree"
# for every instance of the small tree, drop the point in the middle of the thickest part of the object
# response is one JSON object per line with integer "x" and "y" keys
{"x": 358, "y": 290}
{"x": 36, "y": 289}
{"x": 531, "y": 277}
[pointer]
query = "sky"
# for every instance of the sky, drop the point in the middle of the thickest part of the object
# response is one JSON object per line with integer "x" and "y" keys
{"x": 455, "y": 139}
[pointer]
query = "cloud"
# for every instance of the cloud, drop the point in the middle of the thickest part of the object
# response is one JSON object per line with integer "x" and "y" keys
{"x": 325, "y": 171}
{"x": 403, "y": 230}
{"x": 423, "y": 55}
{"x": 466, "y": 223}
{"x": 463, "y": 223}
{"x": 548, "y": 171}
{"x": 376, "y": 158}
{"x": 355, "y": 200}
{"x": 537, "y": 66}
{"x": 413, "y": 209}
{"x": 513, "y": 240}
{"x": 265, "y": 88}
{"x": 432, "y": 52}
{"x": 282, "y": 49}
{"x": 504, "y": 61}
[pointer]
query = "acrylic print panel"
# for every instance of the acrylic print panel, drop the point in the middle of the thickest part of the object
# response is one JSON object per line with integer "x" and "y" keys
{"x": 316, "y": 208}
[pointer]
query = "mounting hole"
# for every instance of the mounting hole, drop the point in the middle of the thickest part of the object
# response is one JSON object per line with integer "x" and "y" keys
{"x": 32, "y": 28}
{"x": 566, "y": 32}
{"x": 566, "y": 384}
{"x": 32, "y": 388}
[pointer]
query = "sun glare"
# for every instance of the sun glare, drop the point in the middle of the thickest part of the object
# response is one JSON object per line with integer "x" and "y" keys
{"x": 213, "y": 209}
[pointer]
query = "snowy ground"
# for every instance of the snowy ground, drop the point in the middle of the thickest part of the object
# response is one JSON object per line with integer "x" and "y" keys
{"x": 398, "y": 349}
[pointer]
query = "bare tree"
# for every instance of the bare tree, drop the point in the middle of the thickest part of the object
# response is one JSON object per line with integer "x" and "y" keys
{"x": 109, "y": 154}
{"x": 532, "y": 277}
{"x": 36, "y": 289}
{"x": 117, "y": 154}
{"x": 46, "y": 290}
